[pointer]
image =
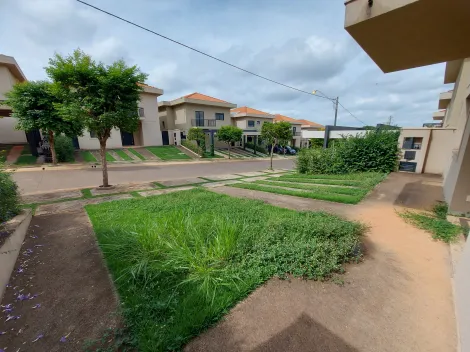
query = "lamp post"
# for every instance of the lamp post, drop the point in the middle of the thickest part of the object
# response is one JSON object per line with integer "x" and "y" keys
{"x": 335, "y": 101}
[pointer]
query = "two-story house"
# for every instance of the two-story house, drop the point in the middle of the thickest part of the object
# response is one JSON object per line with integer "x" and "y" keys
{"x": 250, "y": 121}
{"x": 296, "y": 129}
{"x": 147, "y": 134}
{"x": 193, "y": 110}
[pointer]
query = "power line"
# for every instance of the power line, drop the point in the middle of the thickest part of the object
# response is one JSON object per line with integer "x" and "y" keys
{"x": 212, "y": 57}
{"x": 198, "y": 51}
{"x": 350, "y": 113}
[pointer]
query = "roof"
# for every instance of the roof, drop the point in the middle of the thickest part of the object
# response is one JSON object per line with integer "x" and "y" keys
{"x": 199, "y": 96}
{"x": 150, "y": 89}
{"x": 249, "y": 111}
{"x": 10, "y": 62}
{"x": 280, "y": 118}
{"x": 309, "y": 123}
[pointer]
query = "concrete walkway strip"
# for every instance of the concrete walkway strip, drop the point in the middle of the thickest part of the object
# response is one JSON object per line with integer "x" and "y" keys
{"x": 222, "y": 177}
{"x": 131, "y": 155}
{"x": 220, "y": 184}
{"x": 123, "y": 188}
{"x": 50, "y": 196}
{"x": 115, "y": 155}
{"x": 310, "y": 184}
{"x": 10, "y": 249}
{"x": 250, "y": 174}
{"x": 76, "y": 205}
{"x": 158, "y": 192}
{"x": 146, "y": 154}
{"x": 182, "y": 182}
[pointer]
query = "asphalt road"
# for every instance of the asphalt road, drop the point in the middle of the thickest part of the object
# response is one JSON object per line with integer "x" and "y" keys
{"x": 50, "y": 179}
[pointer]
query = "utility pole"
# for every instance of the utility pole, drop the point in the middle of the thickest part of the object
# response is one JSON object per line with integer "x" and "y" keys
{"x": 336, "y": 109}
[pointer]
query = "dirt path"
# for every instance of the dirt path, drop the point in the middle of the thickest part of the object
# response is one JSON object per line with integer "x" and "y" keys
{"x": 398, "y": 300}
{"x": 77, "y": 300}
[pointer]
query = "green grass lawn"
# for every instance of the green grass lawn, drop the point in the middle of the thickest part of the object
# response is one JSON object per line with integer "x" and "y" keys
{"x": 109, "y": 157}
{"x": 122, "y": 154}
{"x": 180, "y": 261}
{"x": 168, "y": 153}
{"x": 136, "y": 153}
{"x": 26, "y": 150}
{"x": 306, "y": 186}
{"x": 88, "y": 157}
{"x": 208, "y": 155}
{"x": 26, "y": 160}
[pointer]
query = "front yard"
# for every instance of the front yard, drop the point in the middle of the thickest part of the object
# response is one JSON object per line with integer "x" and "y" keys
{"x": 180, "y": 261}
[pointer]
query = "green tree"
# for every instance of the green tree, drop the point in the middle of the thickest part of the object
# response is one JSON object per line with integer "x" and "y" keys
{"x": 229, "y": 135}
{"x": 34, "y": 106}
{"x": 103, "y": 97}
{"x": 197, "y": 134}
{"x": 274, "y": 133}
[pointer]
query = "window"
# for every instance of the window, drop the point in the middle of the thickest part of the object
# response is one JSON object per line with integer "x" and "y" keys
{"x": 412, "y": 143}
{"x": 258, "y": 122}
{"x": 409, "y": 155}
{"x": 93, "y": 134}
{"x": 219, "y": 116}
{"x": 141, "y": 112}
{"x": 294, "y": 129}
{"x": 251, "y": 123}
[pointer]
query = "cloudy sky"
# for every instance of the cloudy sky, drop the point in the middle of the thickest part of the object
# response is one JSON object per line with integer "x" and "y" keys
{"x": 300, "y": 43}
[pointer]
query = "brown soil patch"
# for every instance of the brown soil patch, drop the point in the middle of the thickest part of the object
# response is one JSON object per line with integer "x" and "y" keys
{"x": 62, "y": 270}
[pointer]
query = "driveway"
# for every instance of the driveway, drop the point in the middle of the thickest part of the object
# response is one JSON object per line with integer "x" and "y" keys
{"x": 53, "y": 180}
{"x": 399, "y": 299}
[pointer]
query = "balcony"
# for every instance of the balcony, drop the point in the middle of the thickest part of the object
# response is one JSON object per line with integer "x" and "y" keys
{"x": 444, "y": 99}
{"x": 203, "y": 122}
{"x": 403, "y": 34}
{"x": 439, "y": 115}
{"x": 296, "y": 134}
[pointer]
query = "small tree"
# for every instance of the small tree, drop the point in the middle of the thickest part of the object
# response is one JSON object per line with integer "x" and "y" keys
{"x": 229, "y": 135}
{"x": 103, "y": 97}
{"x": 197, "y": 134}
{"x": 274, "y": 133}
{"x": 34, "y": 106}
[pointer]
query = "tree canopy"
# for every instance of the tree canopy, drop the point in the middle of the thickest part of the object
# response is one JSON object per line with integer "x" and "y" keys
{"x": 229, "y": 134}
{"x": 103, "y": 97}
{"x": 274, "y": 133}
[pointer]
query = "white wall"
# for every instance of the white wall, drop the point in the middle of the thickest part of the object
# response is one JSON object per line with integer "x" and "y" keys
{"x": 151, "y": 132}
{"x": 8, "y": 134}
{"x": 439, "y": 150}
{"x": 423, "y": 133}
{"x": 86, "y": 142}
{"x": 7, "y": 81}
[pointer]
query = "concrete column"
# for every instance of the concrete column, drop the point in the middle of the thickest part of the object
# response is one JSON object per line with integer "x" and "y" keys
{"x": 255, "y": 143}
{"x": 212, "y": 143}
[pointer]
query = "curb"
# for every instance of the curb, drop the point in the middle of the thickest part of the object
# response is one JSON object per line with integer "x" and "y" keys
{"x": 11, "y": 248}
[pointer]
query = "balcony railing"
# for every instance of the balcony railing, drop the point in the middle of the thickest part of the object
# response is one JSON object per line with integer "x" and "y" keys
{"x": 296, "y": 134}
{"x": 203, "y": 122}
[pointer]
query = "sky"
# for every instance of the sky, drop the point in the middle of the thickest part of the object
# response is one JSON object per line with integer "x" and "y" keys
{"x": 300, "y": 43}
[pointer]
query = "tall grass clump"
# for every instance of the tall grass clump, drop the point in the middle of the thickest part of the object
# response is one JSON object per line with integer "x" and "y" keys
{"x": 180, "y": 261}
{"x": 9, "y": 196}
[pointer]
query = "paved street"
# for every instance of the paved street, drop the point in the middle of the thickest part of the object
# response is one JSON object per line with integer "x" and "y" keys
{"x": 49, "y": 179}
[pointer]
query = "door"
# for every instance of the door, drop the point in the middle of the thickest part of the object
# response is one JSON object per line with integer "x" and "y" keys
{"x": 165, "y": 138}
{"x": 200, "y": 118}
{"x": 127, "y": 138}
{"x": 75, "y": 143}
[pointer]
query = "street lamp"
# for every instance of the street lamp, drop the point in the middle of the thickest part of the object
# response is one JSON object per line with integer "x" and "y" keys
{"x": 335, "y": 101}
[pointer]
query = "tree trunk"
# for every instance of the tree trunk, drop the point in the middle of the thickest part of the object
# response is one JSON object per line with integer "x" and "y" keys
{"x": 228, "y": 150}
{"x": 51, "y": 144}
{"x": 104, "y": 163}
{"x": 272, "y": 152}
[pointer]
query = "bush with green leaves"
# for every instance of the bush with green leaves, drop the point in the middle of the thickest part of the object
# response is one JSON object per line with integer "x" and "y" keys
{"x": 376, "y": 151}
{"x": 9, "y": 197}
{"x": 64, "y": 149}
{"x": 192, "y": 146}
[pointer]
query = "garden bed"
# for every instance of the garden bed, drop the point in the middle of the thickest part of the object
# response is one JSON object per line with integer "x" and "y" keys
{"x": 180, "y": 261}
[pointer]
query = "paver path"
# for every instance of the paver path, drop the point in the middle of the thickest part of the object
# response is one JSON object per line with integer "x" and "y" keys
{"x": 146, "y": 154}
{"x": 14, "y": 154}
{"x": 398, "y": 300}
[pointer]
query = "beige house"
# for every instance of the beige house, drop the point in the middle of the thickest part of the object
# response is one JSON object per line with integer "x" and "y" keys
{"x": 250, "y": 121}
{"x": 176, "y": 117}
{"x": 296, "y": 129}
{"x": 403, "y": 34}
{"x": 10, "y": 74}
{"x": 147, "y": 134}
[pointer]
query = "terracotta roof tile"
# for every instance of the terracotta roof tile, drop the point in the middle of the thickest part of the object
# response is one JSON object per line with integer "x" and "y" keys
{"x": 280, "y": 117}
{"x": 249, "y": 111}
{"x": 310, "y": 123}
{"x": 145, "y": 85}
{"x": 199, "y": 96}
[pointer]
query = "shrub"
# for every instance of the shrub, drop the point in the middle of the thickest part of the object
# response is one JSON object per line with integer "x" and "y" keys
{"x": 193, "y": 147}
{"x": 375, "y": 151}
{"x": 64, "y": 148}
{"x": 9, "y": 197}
{"x": 258, "y": 148}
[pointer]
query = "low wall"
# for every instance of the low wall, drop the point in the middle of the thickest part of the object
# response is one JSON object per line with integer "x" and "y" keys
{"x": 12, "y": 246}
